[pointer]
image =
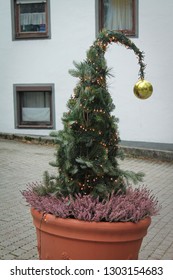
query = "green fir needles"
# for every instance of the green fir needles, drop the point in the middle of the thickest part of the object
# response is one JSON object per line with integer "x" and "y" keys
{"x": 88, "y": 145}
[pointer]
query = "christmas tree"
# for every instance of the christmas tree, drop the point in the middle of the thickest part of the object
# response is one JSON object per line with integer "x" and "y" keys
{"x": 88, "y": 146}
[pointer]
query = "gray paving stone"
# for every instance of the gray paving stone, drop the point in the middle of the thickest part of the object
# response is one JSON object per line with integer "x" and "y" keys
{"x": 21, "y": 163}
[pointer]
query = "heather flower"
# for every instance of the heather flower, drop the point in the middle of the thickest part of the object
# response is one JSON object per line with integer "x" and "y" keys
{"x": 134, "y": 205}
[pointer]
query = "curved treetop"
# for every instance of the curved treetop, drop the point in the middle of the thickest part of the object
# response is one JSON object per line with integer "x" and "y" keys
{"x": 107, "y": 37}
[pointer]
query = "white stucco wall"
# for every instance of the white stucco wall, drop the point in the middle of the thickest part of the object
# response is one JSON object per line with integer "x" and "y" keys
{"x": 72, "y": 32}
{"x": 147, "y": 120}
{"x": 44, "y": 61}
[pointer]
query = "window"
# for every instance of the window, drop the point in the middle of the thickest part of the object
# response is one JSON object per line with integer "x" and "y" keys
{"x": 34, "y": 106}
{"x": 120, "y": 15}
{"x": 31, "y": 19}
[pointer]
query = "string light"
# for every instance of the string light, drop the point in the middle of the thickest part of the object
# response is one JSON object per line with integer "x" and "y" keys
{"x": 92, "y": 77}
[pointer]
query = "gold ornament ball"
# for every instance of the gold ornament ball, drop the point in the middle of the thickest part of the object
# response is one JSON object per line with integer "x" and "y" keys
{"x": 143, "y": 89}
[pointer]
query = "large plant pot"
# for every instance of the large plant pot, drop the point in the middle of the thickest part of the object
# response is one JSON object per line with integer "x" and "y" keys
{"x": 60, "y": 239}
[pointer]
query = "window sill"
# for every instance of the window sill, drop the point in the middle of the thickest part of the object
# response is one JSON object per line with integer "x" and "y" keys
{"x": 35, "y": 126}
{"x": 31, "y": 36}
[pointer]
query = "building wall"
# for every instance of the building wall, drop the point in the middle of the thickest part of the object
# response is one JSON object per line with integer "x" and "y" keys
{"x": 72, "y": 32}
{"x": 146, "y": 120}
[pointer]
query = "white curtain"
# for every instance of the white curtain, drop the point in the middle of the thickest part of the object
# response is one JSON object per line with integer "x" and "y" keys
{"x": 119, "y": 15}
{"x": 36, "y": 106}
{"x": 35, "y": 114}
{"x": 32, "y": 18}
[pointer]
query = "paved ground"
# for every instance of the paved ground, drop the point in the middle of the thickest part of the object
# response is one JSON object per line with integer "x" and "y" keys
{"x": 21, "y": 163}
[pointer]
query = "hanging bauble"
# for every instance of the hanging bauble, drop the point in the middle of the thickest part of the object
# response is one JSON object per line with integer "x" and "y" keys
{"x": 143, "y": 89}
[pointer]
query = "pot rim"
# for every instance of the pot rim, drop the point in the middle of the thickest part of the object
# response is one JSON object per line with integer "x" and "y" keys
{"x": 96, "y": 231}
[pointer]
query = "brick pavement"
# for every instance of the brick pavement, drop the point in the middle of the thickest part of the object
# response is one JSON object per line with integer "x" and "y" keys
{"x": 21, "y": 163}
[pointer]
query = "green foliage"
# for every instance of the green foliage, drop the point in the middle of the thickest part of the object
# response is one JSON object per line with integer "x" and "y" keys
{"x": 88, "y": 146}
{"x": 48, "y": 185}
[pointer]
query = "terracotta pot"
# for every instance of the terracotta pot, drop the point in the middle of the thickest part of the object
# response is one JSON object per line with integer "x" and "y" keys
{"x": 60, "y": 239}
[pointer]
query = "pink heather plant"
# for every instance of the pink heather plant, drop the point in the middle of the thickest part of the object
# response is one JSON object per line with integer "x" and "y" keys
{"x": 134, "y": 205}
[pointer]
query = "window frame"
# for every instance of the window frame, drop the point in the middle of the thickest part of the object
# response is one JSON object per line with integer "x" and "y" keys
{"x": 130, "y": 33}
{"x": 17, "y": 34}
{"x": 20, "y": 88}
